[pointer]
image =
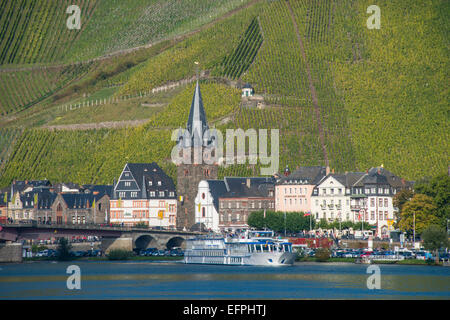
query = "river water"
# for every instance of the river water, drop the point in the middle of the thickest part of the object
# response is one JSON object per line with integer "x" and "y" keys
{"x": 175, "y": 280}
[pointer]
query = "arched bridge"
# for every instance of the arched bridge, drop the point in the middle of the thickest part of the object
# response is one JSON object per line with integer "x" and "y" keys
{"x": 112, "y": 237}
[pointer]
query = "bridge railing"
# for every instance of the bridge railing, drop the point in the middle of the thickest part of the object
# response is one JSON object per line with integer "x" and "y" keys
{"x": 85, "y": 226}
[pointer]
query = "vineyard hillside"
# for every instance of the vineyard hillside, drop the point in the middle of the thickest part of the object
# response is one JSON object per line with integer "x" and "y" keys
{"x": 341, "y": 94}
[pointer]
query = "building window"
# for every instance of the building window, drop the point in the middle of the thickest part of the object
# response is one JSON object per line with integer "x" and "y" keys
{"x": 386, "y": 202}
{"x": 122, "y": 194}
{"x": 372, "y": 215}
{"x": 203, "y": 212}
{"x": 203, "y": 195}
{"x": 159, "y": 183}
{"x": 161, "y": 193}
{"x": 372, "y": 202}
{"x": 134, "y": 194}
{"x": 152, "y": 193}
{"x": 127, "y": 183}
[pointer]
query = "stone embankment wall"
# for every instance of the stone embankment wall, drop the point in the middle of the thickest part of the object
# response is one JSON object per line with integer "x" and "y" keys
{"x": 10, "y": 252}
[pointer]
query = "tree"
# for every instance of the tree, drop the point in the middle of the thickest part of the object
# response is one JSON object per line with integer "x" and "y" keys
{"x": 435, "y": 238}
{"x": 423, "y": 209}
{"x": 256, "y": 220}
{"x": 437, "y": 188}
{"x": 323, "y": 224}
{"x": 401, "y": 198}
{"x": 295, "y": 221}
{"x": 63, "y": 251}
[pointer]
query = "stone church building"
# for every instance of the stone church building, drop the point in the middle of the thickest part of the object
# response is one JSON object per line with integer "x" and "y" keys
{"x": 192, "y": 144}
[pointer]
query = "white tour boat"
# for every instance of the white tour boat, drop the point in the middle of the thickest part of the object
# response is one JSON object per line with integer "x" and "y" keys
{"x": 255, "y": 248}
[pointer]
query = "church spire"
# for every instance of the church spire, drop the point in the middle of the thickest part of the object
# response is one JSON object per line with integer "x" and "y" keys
{"x": 197, "y": 124}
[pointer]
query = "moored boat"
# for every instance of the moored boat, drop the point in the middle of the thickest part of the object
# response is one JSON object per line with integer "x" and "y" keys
{"x": 255, "y": 248}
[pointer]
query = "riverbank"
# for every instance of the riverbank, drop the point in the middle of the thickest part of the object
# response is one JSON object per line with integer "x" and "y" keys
{"x": 139, "y": 258}
{"x": 353, "y": 260}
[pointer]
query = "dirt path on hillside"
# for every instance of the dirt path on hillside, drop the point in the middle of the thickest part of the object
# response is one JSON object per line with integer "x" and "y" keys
{"x": 149, "y": 45}
{"x": 97, "y": 125}
{"x": 311, "y": 86}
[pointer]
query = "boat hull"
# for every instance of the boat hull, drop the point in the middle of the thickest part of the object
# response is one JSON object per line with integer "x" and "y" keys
{"x": 255, "y": 259}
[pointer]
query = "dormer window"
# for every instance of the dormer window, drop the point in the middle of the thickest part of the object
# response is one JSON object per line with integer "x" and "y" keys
{"x": 127, "y": 183}
{"x": 150, "y": 183}
{"x": 161, "y": 193}
{"x": 152, "y": 193}
{"x": 159, "y": 183}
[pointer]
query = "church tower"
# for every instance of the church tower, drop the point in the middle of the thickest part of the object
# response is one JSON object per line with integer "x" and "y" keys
{"x": 192, "y": 143}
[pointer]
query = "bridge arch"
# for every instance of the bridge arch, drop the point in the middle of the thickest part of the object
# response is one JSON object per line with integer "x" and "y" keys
{"x": 145, "y": 241}
{"x": 176, "y": 242}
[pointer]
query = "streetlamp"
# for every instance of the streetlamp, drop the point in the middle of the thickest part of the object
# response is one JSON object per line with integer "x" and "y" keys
{"x": 414, "y": 229}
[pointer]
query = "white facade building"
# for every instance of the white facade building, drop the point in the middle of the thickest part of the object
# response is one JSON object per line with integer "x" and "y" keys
{"x": 331, "y": 199}
{"x": 144, "y": 194}
{"x": 206, "y": 203}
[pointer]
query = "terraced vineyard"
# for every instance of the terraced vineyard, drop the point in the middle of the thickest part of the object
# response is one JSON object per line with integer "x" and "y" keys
{"x": 22, "y": 89}
{"x": 279, "y": 70}
{"x": 242, "y": 57}
{"x": 336, "y": 90}
{"x": 208, "y": 48}
{"x": 8, "y": 138}
{"x": 35, "y": 31}
{"x": 383, "y": 88}
{"x": 99, "y": 155}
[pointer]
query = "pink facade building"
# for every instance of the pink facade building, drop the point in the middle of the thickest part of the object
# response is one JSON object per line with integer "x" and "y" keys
{"x": 293, "y": 191}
